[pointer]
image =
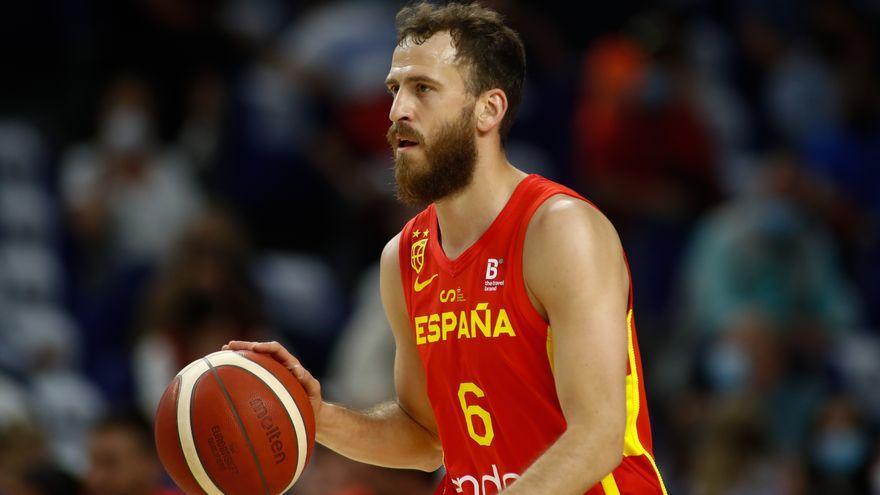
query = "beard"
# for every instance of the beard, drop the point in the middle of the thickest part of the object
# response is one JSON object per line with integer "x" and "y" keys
{"x": 450, "y": 161}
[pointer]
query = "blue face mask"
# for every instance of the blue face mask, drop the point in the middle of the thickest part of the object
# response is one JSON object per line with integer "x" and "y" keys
{"x": 840, "y": 452}
{"x": 780, "y": 220}
{"x": 729, "y": 368}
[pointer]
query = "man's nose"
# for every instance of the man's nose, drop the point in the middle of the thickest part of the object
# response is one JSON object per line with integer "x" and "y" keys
{"x": 401, "y": 108}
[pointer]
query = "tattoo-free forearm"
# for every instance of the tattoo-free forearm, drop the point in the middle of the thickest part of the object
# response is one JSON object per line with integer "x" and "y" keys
{"x": 383, "y": 436}
{"x": 578, "y": 460}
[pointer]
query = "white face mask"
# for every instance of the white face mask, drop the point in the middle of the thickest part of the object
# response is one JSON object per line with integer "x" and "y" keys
{"x": 125, "y": 129}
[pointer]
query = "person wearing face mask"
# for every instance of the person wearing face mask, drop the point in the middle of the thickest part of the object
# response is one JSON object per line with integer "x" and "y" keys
{"x": 127, "y": 200}
{"x": 839, "y": 449}
{"x": 764, "y": 250}
{"x": 127, "y": 196}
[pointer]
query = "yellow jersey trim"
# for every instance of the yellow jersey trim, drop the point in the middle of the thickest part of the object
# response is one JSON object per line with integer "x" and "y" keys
{"x": 609, "y": 485}
{"x": 632, "y": 445}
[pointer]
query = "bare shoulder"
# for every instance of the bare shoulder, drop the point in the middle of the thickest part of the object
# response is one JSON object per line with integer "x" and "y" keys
{"x": 390, "y": 252}
{"x": 389, "y": 270}
{"x": 390, "y": 284}
{"x": 571, "y": 248}
{"x": 566, "y": 219}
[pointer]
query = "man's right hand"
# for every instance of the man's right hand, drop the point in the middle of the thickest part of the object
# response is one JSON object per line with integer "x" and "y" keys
{"x": 283, "y": 356}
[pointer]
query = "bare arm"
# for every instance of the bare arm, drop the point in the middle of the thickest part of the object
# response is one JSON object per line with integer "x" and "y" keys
{"x": 575, "y": 270}
{"x": 397, "y": 434}
{"x": 394, "y": 434}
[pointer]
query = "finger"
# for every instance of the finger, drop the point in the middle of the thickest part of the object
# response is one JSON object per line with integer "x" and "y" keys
{"x": 298, "y": 371}
{"x": 278, "y": 351}
{"x": 303, "y": 375}
{"x": 270, "y": 347}
{"x": 240, "y": 345}
{"x": 312, "y": 386}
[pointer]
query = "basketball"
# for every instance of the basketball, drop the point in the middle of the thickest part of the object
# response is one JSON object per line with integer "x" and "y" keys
{"x": 235, "y": 423}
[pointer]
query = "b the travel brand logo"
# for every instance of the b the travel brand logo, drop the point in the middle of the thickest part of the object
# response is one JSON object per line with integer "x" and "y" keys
{"x": 493, "y": 270}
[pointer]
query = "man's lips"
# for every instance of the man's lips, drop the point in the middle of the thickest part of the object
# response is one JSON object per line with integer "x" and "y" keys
{"x": 406, "y": 143}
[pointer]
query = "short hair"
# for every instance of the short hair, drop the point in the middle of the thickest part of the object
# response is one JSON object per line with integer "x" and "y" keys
{"x": 492, "y": 51}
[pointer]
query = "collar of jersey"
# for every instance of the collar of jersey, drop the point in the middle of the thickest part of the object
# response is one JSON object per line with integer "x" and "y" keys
{"x": 454, "y": 267}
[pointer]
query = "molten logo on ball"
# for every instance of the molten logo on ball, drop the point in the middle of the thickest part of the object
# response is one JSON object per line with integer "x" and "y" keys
{"x": 273, "y": 434}
{"x": 235, "y": 423}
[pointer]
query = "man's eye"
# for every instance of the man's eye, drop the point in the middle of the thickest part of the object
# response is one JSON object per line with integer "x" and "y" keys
{"x": 423, "y": 88}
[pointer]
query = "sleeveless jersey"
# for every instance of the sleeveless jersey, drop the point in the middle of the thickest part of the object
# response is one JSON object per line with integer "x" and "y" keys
{"x": 487, "y": 355}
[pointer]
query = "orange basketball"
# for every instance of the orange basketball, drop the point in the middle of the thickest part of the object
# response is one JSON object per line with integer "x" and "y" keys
{"x": 235, "y": 423}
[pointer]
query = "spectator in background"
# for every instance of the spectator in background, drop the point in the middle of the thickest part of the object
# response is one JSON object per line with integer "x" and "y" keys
{"x": 642, "y": 152}
{"x": 844, "y": 156}
{"x": 27, "y": 464}
{"x": 795, "y": 90}
{"x": 46, "y": 479}
{"x": 199, "y": 139}
{"x": 736, "y": 456}
{"x": 127, "y": 197}
{"x": 21, "y": 448}
{"x": 764, "y": 301}
{"x": 641, "y": 149}
{"x": 775, "y": 367}
{"x": 359, "y": 372}
{"x": 201, "y": 299}
{"x": 840, "y": 448}
{"x": 127, "y": 200}
{"x": 767, "y": 251}
{"x": 68, "y": 403}
{"x": 710, "y": 54}
{"x": 339, "y": 53}
{"x": 122, "y": 458}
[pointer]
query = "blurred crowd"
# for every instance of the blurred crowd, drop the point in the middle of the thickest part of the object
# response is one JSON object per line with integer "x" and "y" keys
{"x": 176, "y": 174}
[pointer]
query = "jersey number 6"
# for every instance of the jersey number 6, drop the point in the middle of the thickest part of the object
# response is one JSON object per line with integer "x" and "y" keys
{"x": 472, "y": 411}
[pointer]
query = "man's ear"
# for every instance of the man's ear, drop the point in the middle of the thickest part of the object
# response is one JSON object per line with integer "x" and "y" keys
{"x": 491, "y": 108}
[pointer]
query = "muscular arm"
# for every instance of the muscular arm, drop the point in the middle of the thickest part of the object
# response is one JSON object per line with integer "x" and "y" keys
{"x": 574, "y": 269}
{"x": 398, "y": 434}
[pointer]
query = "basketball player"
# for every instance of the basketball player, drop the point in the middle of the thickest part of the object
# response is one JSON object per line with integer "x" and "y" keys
{"x": 517, "y": 366}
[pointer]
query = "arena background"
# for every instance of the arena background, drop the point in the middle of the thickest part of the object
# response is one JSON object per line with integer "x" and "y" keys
{"x": 177, "y": 173}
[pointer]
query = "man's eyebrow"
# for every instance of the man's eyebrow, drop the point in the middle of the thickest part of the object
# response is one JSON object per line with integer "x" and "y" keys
{"x": 424, "y": 79}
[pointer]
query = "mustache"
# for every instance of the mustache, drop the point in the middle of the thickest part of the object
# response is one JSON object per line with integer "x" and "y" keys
{"x": 402, "y": 130}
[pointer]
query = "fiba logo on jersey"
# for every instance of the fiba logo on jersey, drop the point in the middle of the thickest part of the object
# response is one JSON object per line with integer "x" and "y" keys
{"x": 493, "y": 269}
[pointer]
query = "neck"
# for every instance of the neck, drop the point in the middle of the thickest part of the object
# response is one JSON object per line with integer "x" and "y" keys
{"x": 464, "y": 217}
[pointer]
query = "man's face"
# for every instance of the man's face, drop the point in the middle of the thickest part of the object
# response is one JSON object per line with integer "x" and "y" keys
{"x": 432, "y": 134}
{"x": 118, "y": 464}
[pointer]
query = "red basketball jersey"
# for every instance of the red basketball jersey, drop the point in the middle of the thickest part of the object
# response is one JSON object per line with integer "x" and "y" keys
{"x": 488, "y": 359}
